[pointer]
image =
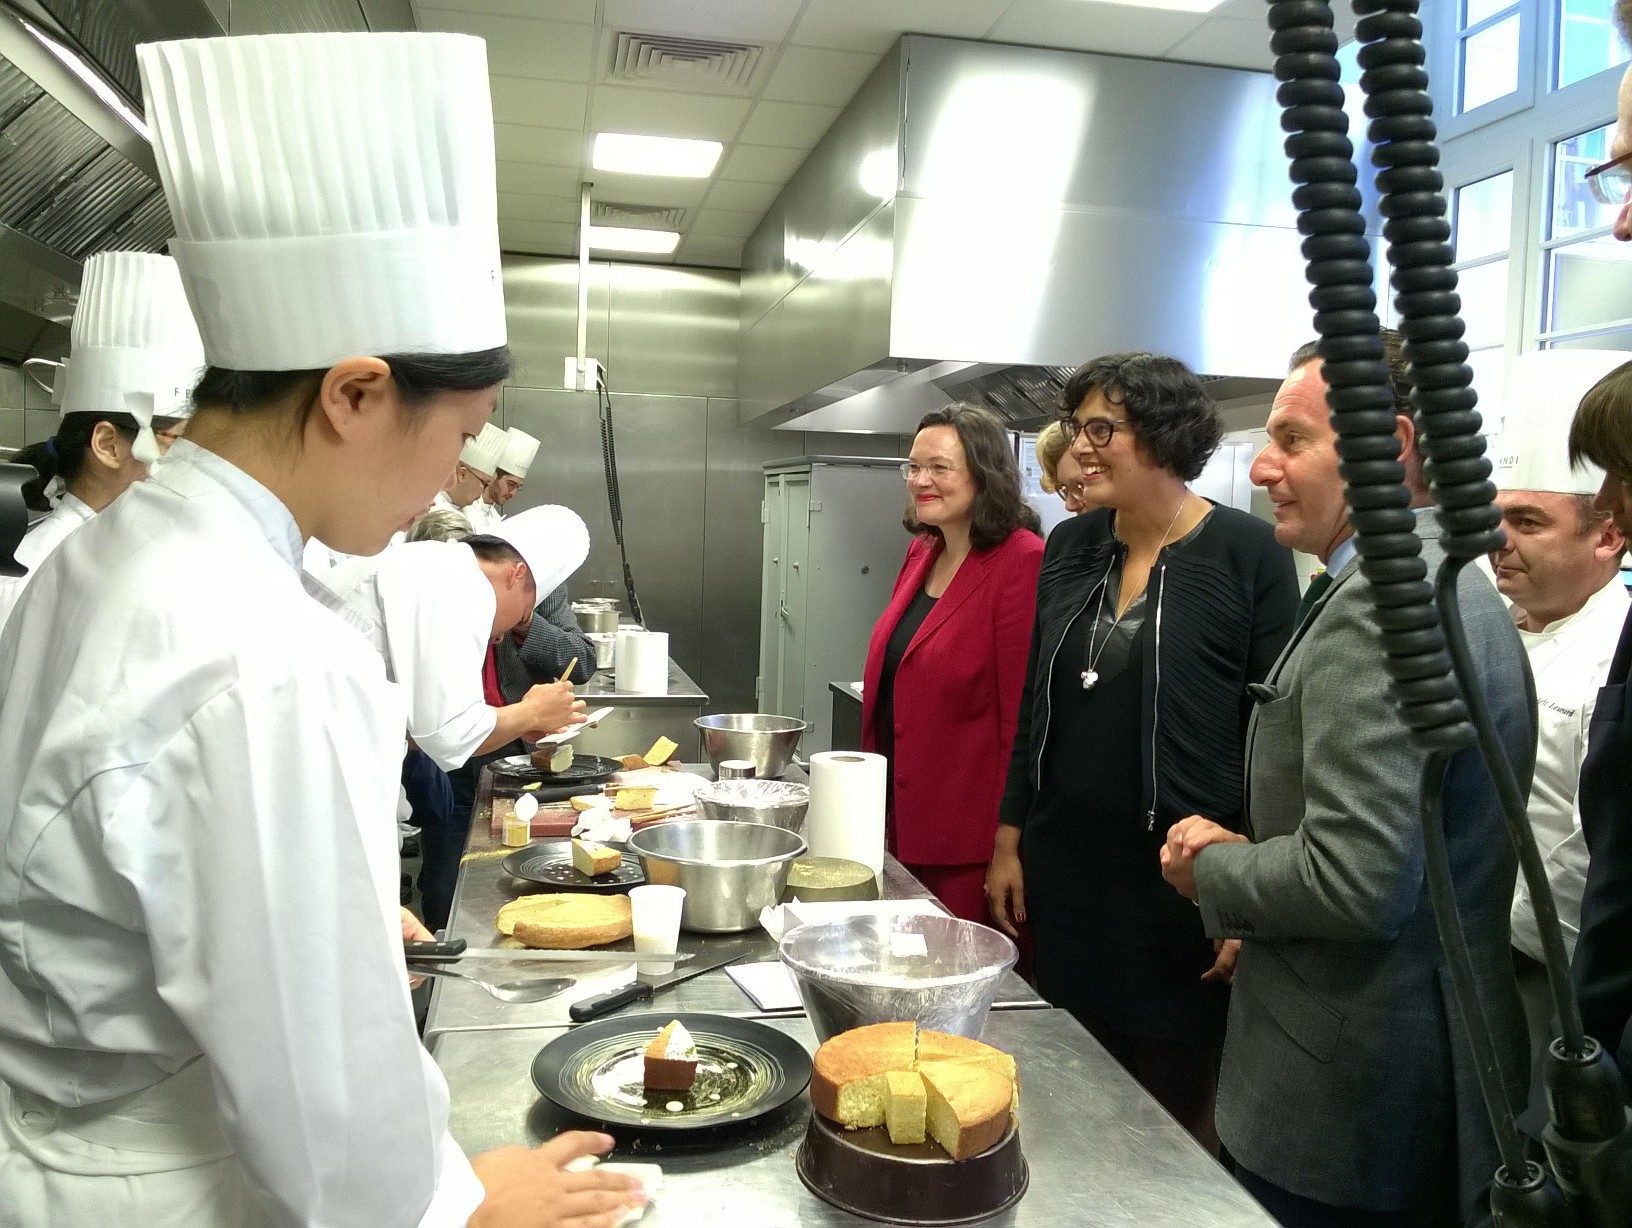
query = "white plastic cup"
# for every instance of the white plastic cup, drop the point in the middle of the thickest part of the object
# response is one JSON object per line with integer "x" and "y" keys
{"x": 656, "y": 919}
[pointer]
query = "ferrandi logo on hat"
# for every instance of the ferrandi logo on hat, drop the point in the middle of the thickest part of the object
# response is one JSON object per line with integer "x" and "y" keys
{"x": 315, "y": 220}
{"x": 1536, "y": 406}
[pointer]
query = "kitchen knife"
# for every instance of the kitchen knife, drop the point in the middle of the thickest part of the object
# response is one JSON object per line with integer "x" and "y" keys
{"x": 640, "y": 991}
{"x": 457, "y": 949}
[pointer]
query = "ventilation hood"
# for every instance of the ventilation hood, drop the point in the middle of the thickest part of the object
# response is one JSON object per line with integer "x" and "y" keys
{"x": 984, "y": 218}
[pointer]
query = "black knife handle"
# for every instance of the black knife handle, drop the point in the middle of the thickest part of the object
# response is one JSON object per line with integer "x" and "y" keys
{"x": 604, "y": 1003}
{"x": 434, "y": 952}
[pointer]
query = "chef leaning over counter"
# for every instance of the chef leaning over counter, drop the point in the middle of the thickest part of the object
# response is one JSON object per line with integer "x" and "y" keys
{"x": 204, "y": 1015}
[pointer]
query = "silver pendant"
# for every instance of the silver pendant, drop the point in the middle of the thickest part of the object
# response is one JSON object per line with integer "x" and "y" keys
{"x": 1089, "y": 677}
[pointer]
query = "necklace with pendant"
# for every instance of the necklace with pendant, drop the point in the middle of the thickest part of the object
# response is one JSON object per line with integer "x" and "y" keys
{"x": 1090, "y": 675}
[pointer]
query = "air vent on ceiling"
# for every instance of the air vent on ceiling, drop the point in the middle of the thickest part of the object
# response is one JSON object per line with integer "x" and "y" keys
{"x": 660, "y": 59}
{"x": 651, "y": 217}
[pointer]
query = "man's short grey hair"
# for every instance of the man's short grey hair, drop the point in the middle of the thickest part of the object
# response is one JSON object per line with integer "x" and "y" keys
{"x": 442, "y": 524}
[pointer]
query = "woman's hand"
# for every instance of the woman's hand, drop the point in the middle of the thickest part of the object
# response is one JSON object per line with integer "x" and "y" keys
{"x": 530, "y": 1187}
{"x": 1226, "y": 951}
{"x": 1006, "y": 890}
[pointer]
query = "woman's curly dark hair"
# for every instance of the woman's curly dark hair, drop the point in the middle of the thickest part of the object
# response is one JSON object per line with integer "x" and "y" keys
{"x": 1173, "y": 418}
{"x": 999, "y": 507}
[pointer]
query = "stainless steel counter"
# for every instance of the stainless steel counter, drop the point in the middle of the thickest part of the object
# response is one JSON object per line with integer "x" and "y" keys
{"x": 683, "y": 692}
{"x": 484, "y": 887}
{"x": 1101, "y": 1151}
{"x": 638, "y": 720}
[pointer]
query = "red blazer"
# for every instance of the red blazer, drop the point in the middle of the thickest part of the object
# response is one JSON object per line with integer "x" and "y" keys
{"x": 957, "y": 697}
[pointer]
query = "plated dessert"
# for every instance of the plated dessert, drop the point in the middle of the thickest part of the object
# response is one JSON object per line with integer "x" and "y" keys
{"x": 671, "y": 1059}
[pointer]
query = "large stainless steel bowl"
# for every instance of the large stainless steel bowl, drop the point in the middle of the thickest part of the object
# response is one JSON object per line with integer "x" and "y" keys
{"x": 730, "y": 871}
{"x": 941, "y": 971}
{"x": 781, "y": 803}
{"x": 768, "y": 741}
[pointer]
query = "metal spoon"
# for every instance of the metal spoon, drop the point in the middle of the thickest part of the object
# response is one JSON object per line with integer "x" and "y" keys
{"x": 510, "y": 991}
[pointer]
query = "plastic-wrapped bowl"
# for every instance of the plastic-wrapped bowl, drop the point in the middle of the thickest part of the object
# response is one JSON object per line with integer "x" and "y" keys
{"x": 781, "y": 803}
{"x": 942, "y": 972}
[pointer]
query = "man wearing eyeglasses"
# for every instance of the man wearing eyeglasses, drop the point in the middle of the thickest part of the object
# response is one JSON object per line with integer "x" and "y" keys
{"x": 1611, "y": 183}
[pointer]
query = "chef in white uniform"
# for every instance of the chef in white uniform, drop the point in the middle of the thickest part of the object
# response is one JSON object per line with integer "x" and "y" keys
{"x": 514, "y": 461}
{"x": 434, "y": 608}
{"x": 204, "y": 1014}
{"x": 1560, "y": 570}
{"x": 478, "y": 462}
{"x": 135, "y": 350}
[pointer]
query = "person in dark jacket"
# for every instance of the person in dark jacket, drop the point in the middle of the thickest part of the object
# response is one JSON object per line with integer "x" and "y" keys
{"x": 1155, "y": 611}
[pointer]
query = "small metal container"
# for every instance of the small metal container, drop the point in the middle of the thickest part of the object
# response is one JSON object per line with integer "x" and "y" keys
{"x": 605, "y": 648}
{"x": 736, "y": 769}
{"x": 766, "y": 741}
{"x": 596, "y": 616}
{"x": 781, "y": 803}
{"x": 730, "y": 871}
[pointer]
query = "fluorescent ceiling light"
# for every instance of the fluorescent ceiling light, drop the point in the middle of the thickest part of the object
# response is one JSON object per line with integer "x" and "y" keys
{"x": 673, "y": 156}
{"x": 630, "y": 239}
{"x": 93, "y": 79}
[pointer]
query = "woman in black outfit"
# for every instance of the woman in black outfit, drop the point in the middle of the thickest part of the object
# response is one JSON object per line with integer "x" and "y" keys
{"x": 1155, "y": 609}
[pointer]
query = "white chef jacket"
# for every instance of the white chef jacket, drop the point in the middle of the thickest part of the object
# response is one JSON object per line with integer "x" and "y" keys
{"x": 318, "y": 560}
{"x": 1570, "y": 659}
{"x": 484, "y": 517}
{"x": 44, "y": 536}
{"x": 442, "y": 503}
{"x": 197, "y": 771}
{"x": 432, "y": 611}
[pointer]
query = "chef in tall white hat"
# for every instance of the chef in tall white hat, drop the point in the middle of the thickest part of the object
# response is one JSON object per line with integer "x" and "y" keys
{"x": 134, "y": 351}
{"x": 1561, "y": 571}
{"x": 514, "y": 462}
{"x": 478, "y": 462}
{"x": 204, "y": 1011}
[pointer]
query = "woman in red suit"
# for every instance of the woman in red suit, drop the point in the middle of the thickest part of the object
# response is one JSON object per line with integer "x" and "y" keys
{"x": 947, "y": 660}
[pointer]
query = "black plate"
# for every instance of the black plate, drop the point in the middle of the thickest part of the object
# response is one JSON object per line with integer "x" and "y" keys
{"x": 595, "y": 1071}
{"x": 585, "y": 770}
{"x": 551, "y": 865}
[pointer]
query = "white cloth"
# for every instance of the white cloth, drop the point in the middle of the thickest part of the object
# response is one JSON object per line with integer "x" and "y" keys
{"x": 318, "y": 560}
{"x": 197, "y": 776}
{"x": 432, "y": 609}
{"x": 1570, "y": 659}
{"x": 44, "y": 536}
{"x": 484, "y": 517}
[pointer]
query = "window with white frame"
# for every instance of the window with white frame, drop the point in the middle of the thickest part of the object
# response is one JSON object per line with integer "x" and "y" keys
{"x": 1487, "y": 52}
{"x": 1586, "y": 273}
{"x": 1586, "y": 42}
{"x": 1482, "y": 230}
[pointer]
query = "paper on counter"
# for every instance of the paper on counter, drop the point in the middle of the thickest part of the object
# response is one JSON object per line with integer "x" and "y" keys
{"x": 769, "y": 984}
{"x": 650, "y": 1177}
{"x": 602, "y": 825}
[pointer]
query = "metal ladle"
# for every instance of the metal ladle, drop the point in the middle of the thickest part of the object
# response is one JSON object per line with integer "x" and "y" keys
{"x": 515, "y": 992}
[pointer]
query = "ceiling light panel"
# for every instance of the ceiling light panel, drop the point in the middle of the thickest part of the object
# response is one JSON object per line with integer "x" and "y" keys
{"x": 629, "y": 239}
{"x": 675, "y": 157}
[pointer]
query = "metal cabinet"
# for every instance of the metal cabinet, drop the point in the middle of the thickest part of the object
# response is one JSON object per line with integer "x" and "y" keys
{"x": 833, "y": 546}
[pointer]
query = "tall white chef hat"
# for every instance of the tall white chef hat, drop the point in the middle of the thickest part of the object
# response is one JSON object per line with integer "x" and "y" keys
{"x": 482, "y": 453}
{"x": 553, "y": 541}
{"x": 519, "y": 450}
{"x": 1537, "y": 405}
{"x": 333, "y": 194}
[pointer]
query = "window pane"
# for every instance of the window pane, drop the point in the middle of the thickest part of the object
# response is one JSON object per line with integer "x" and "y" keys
{"x": 1590, "y": 284}
{"x": 1475, "y": 11}
{"x": 1484, "y": 217}
{"x": 1489, "y": 377}
{"x": 1574, "y": 208}
{"x": 1490, "y": 63}
{"x": 1484, "y": 303}
{"x": 1621, "y": 340}
{"x": 1587, "y": 41}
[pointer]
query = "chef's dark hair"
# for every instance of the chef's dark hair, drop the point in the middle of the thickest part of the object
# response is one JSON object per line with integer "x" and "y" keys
{"x": 418, "y": 377}
{"x": 63, "y": 455}
{"x": 999, "y": 508}
{"x": 492, "y": 549}
{"x": 1601, "y": 431}
{"x": 1173, "y": 418}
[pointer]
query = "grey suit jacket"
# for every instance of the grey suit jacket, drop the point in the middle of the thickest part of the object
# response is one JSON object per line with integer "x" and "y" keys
{"x": 553, "y": 640}
{"x": 1345, "y": 1076}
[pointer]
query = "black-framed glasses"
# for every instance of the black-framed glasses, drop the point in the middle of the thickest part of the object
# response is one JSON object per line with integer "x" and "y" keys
{"x": 1100, "y": 431}
{"x": 1073, "y": 490}
{"x": 1609, "y": 182}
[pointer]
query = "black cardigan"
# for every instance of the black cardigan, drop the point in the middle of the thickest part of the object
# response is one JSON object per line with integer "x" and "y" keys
{"x": 1229, "y": 600}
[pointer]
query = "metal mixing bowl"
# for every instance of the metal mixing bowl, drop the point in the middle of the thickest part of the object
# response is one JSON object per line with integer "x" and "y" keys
{"x": 768, "y": 741}
{"x": 729, "y": 870}
{"x": 781, "y": 803}
{"x": 941, "y": 971}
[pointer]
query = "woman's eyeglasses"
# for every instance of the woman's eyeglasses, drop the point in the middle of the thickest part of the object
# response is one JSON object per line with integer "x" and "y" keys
{"x": 1611, "y": 181}
{"x": 1099, "y": 430}
{"x": 1074, "y": 490}
{"x": 937, "y": 470}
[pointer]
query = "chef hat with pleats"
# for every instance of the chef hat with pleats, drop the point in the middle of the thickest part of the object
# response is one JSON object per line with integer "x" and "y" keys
{"x": 482, "y": 453}
{"x": 333, "y": 194}
{"x": 519, "y": 450}
{"x": 1537, "y": 405}
{"x": 553, "y": 541}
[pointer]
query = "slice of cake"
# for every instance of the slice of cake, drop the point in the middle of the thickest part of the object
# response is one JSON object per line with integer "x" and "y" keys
{"x": 904, "y": 1106}
{"x": 967, "y": 1104}
{"x": 671, "y": 1059}
{"x": 594, "y": 859}
{"x": 847, "y": 1081}
{"x": 635, "y": 797}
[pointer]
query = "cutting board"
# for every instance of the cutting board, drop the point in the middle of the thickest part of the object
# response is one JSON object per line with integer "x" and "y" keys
{"x": 560, "y": 820}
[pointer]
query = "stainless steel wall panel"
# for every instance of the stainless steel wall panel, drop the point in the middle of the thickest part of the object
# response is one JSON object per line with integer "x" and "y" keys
{"x": 673, "y": 330}
{"x": 541, "y": 307}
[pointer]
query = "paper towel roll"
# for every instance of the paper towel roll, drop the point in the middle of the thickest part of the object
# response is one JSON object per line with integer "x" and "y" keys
{"x": 641, "y": 662}
{"x": 846, "y": 816}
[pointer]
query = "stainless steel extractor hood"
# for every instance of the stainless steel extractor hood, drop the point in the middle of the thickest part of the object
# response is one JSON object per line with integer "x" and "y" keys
{"x": 983, "y": 218}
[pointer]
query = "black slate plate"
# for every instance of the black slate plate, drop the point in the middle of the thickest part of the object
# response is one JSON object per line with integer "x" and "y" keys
{"x": 551, "y": 866}
{"x": 585, "y": 770}
{"x": 746, "y": 1070}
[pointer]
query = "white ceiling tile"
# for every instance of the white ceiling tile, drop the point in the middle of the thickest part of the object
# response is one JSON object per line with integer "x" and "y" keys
{"x": 522, "y": 143}
{"x": 544, "y": 104}
{"x": 1231, "y": 44}
{"x": 761, "y": 163}
{"x": 548, "y": 238}
{"x": 872, "y": 25}
{"x": 1091, "y": 25}
{"x": 711, "y": 251}
{"x": 525, "y": 207}
{"x": 657, "y": 113}
{"x": 517, "y": 47}
{"x": 788, "y": 124}
{"x": 739, "y": 194}
{"x": 819, "y": 75}
{"x": 648, "y": 189}
{"x": 725, "y": 223}
{"x": 736, "y": 21}
{"x": 537, "y": 180}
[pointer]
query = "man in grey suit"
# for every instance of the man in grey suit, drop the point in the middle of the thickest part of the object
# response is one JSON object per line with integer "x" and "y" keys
{"x": 1346, "y": 1094}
